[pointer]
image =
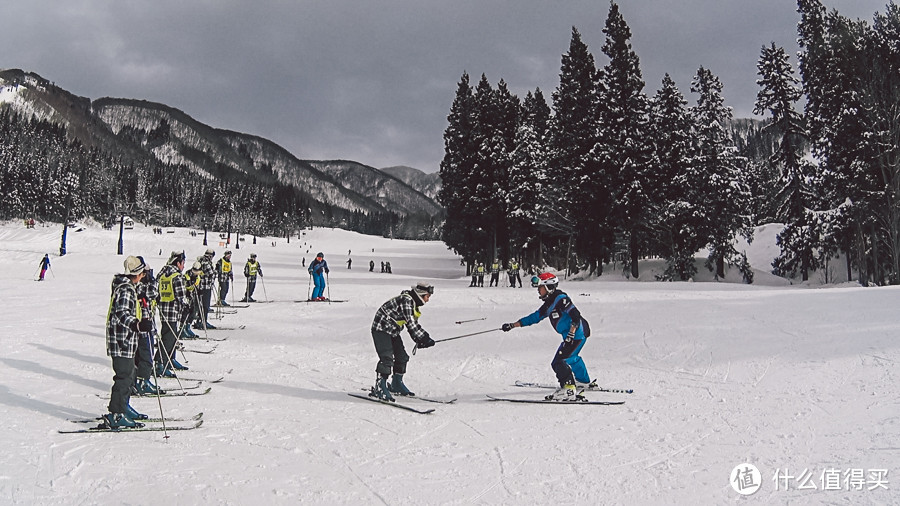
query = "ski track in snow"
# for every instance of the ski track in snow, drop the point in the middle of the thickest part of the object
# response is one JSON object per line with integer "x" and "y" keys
{"x": 781, "y": 377}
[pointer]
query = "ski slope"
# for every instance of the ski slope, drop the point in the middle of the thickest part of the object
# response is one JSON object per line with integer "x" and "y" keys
{"x": 800, "y": 381}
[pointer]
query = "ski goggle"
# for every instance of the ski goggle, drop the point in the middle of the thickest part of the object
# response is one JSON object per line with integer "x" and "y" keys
{"x": 535, "y": 281}
{"x": 429, "y": 289}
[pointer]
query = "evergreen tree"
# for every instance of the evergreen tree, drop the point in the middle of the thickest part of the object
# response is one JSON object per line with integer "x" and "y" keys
{"x": 779, "y": 91}
{"x": 575, "y": 174}
{"x": 458, "y": 175}
{"x": 623, "y": 151}
{"x": 724, "y": 210}
{"x": 679, "y": 202}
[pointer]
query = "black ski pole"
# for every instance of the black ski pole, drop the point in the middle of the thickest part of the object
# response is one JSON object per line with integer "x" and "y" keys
{"x": 467, "y": 321}
{"x": 457, "y": 337}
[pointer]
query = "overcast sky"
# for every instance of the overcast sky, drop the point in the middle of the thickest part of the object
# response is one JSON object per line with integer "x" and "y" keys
{"x": 373, "y": 80}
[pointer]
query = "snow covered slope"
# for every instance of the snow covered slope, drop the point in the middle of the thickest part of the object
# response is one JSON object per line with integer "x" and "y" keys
{"x": 793, "y": 380}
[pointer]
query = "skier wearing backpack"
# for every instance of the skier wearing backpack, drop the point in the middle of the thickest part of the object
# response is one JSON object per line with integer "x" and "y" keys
{"x": 574, "y": 329}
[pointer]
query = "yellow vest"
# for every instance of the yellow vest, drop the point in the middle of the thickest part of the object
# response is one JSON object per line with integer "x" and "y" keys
{"x": 252, "y": 267}
{"x": 167, "y": 288}
{"x": 226, "y": 266}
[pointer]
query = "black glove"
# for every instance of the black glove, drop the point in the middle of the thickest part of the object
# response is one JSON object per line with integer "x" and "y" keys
{"x": 425, "y": 342}
{"x": 507, "y": 327}
{"x": 142, "y": 326}
{"x": 570, "y": 336}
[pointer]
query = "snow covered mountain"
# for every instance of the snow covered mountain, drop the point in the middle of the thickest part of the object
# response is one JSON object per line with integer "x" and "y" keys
{"x": 137, "y": 129}
{"x": 428, "y": 184}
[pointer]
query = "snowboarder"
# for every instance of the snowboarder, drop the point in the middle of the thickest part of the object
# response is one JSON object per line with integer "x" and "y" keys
{"x": 45, "y": 264}
{"x": 225, "y": 275}
{"x": 391, "y": 317}
{"x": 124, "y": 323}
{"x": 251, "y": 270}
{"x": 574, "y": 329}
{"x": 316, "y": 269}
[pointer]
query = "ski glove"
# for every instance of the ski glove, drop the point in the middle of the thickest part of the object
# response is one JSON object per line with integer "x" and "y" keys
{"x": 142, "y": 326}
{"x": 507, "y": 327}
{"x": 425, "y": 342}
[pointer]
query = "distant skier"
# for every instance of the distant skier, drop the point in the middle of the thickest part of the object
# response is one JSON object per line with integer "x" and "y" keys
{"x": 371, "y": 265}
{"x": 514, "y": 273}
{"x": 207, "y": 279}
{"x": 225, "y": 275}
{"x": 317, "y": 269}
{"x": 391, "y": 317}
{"x": 495, "y": 273}
{"x": 251, "y": 270}
{"x": 45, "y": 264}
{"x": 568, "y": 322}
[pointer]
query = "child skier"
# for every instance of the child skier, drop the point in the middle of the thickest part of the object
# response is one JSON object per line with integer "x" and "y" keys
{"x": 574, "y": 329}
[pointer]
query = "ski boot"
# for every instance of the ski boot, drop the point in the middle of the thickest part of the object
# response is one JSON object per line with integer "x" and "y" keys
{"x": 143, "y": 386}
{"x": 592, "y": 385}
{"x": 119, "y": 421}
{"x": 164, "y": 372}
{"x": 565, "y": 393}
{"x": 210, "y": 326}
{"x": 133, "y": 414}
{"x": 187, "y": 333}
{"x": 380, "y": 390}
{"x": 177, "y": 366}
{"x": 397, "y": 386}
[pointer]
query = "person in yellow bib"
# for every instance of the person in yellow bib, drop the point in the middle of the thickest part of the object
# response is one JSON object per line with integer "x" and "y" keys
{"x": 225, "y": 275}
{"x": 252, "y": 269}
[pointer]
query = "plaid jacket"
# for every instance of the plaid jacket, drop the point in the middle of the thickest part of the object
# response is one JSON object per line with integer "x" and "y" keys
{"x": 209, "y": 273}
{"x": 121, "y": 340}
{"x": 397, "y": 312}
{"x": 172, "y": 311}
{"x": 221, "y": 274}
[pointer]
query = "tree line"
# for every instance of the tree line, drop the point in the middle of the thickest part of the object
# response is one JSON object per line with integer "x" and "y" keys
{"x": 606, "y": 173}
{"x": 46, "y": 175}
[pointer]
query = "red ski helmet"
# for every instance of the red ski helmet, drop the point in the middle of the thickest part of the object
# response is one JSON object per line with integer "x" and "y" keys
{"x": 545, "y": 279}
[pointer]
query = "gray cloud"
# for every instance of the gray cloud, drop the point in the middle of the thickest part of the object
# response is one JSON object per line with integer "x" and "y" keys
{"x": 373, "y": 81}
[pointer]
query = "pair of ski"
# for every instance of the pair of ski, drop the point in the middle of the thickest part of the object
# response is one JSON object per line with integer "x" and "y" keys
{"x": 326, "y": 300}
{"x": 402, "y": 405}
{"x": 197, "y": 421}
{"x": 181, "y": 392}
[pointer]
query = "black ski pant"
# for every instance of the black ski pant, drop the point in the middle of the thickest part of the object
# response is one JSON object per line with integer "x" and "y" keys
{"x": 143, "y": 358}
{"x": 223, "y": 291}
{"x": 251, "y": 287}
{"x": 495, "y": 280}
{"x": 560, "y": 363}
{"x": 123, "y": 380}
{"x": 392, "y": 356}
{"x": 169, "y": 339}
{"x": 206, "y": 299}
{"x": 474, "y": 280}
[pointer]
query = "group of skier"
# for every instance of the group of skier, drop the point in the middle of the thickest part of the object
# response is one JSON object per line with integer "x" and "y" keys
{"x": 181, "y": 297}
{"x": 512, "y": 271}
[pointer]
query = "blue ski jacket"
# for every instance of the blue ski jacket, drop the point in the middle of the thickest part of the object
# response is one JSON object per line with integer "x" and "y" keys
{"x": 563, "y": 314}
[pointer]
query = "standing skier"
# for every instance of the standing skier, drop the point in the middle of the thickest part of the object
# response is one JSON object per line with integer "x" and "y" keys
{"x": 495, "y": 273}
{"x": 391, "y": 317}
{"x": 251, "y": 270}
{"x": 316, "y": 269}
{"x": 148, "y": 295}
{"x": 124, "y": 323}
{"x": 514, "y": 273}
{"x": 45, "y": 264}
{"x": 225, "y": 275}
{"x": 568, "y": 322}
{"x": 207, "y": 279}
{"x": 174, "y": 310}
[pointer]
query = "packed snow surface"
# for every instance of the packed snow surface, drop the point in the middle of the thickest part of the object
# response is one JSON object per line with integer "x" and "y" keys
{"x": 799, "y": 381}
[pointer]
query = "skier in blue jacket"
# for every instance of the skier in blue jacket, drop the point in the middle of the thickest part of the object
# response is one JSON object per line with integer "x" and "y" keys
{"x": 316, "y": 268}
{"x": 574, "y": 329}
